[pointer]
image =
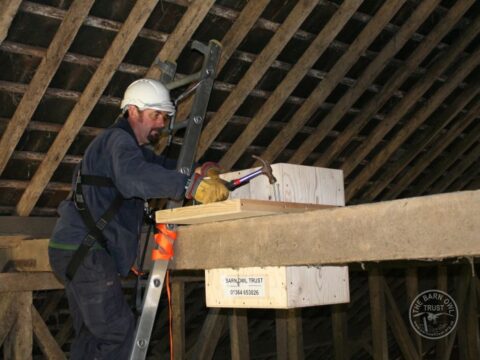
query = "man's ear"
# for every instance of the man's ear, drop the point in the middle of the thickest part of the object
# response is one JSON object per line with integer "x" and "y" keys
{"x": 132, "y": 111}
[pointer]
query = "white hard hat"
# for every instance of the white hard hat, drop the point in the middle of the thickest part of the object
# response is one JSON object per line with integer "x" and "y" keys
{"x": 148, "y": 94}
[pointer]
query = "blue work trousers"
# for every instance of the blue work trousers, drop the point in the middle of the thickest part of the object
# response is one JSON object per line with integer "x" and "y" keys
{"x": 104, "y": 323}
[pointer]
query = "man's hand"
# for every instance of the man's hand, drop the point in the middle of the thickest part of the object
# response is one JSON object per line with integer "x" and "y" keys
{"x": 206, "y": 190}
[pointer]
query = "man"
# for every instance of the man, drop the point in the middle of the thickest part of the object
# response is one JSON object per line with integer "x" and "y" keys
{"x": 96, "y": 237}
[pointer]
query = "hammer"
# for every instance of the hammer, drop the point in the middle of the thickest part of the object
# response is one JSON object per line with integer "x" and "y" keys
{"x": 266, "y": 169}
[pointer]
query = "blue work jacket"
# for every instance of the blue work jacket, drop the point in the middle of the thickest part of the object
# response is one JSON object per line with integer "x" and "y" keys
{"x": 137, "y": 173}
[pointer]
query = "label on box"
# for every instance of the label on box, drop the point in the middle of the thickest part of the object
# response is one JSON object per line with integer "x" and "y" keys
{"x": 243, "y": 286}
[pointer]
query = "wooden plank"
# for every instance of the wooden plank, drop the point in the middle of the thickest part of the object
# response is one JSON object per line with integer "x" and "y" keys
{"x": 28, "y": 282}
{"x": 180, "y": 36}
{"x": 239, "y": 343}
{"x": 467, "y": 159}
{"x": 411, "y": 283}
{"x": 43, "y": 75}
{"x": 178, "y": 319}
{"x": 433, "y": 227}
{"x": 367, "y": 77}
{"x": 442, "y": 284}
{"x": 326, "y": 86}
{"x": 462, "y": 182}
{"x": 97, "y": 84}
{"x": 65, "y": 332}
{"x": 291, "y": 80}
{"x": 395, "y": 81}
{"x": 8, "y": 9}
{"x": 378, "y": 314}
{"x": 410, "y": 99}
{"x": 230, "y": 210}
{"x": 398, "y": 326}
{"x": 8, "y": 314}
{"x": 11, "y": 241}
{"x": 19, "y": 343}
{"x": 22, "y": 257}
{"x": 281, "y": 334}
{"x": 254, "y": 73}
{"x": 426, "y": 139}
{"x": 417, "y": 119}
{"x": 289, "y": 334}
{"x": 340, "y": 332}
{"x": 426, "y": 159}
{"x": 212, "y": 329}
{"x": 232, "y": 39}
{"x": 35, "y": 227}
{"x": 44, "y": 338}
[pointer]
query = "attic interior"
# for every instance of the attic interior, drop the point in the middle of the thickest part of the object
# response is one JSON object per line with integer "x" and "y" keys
{"x": 386, "y": 91}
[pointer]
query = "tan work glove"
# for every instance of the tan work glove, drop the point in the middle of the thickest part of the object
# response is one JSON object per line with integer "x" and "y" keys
{"x": 206, "y": 185}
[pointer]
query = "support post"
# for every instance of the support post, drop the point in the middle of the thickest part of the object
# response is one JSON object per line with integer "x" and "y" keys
{"x": 289, "y": 334}
{"x": 239, "y": 343}
{"x": 340, "y": 332}
{"x": 19, "y": 342}
{"x": 178, "y": 320}
{"x": 378, "y": 314}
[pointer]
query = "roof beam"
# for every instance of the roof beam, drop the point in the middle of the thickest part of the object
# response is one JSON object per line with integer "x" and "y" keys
{"x": 8, "y": 9}
{"x": 368, "y": 76}
{"x": 180, "y": 36}
{"x": 254, "y": 73}
{"x": 412, "y": 151}
{"x": 457, "y": 171}
{"x": 290, "y": 82}
{"x": 97, "y": 84}
{"x": 442, "y": 164}
{"x": 431, "y": 227}
{"x": 395, "y": 81}
{"x": 43, "y": 75}
{"x": 232, "y": 39}
{"x": 466, "y": 178}
{"x": 417, "y": 90}
{"x": 325, "y": 87}
{"x": 440, "y": 143}
{"x": 411, "y": 125}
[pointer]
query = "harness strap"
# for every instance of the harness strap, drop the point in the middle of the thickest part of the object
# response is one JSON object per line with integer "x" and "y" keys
{"x": 95, "y": 228}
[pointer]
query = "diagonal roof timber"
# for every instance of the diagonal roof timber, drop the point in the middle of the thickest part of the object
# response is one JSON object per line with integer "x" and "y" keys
{"x": 289, "y": 83}
{"x": 445, "y": 118}
{"x": 232, "y": 39}
{"x": 43, "y": 75}
{"x": 464, "y": 179}
{"x": 457, "y": 170}
{"x": 367, "y": 77}
{"x": 420, "y": 87}
{"x": 8, "y": 9}
{"x": 254, "y": 73}
{"x": 180, "y": 36}
{"x": 442, "y": 164}
{"x": 416, "y": 120}
{"x": 325, "y": 87}
{"x": 97, "y": 84}
{"x": 395, "y": 81}
{"x": 440, "y": 144}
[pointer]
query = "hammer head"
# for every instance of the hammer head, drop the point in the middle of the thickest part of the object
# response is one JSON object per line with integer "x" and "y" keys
{"x": 266, "y": 169}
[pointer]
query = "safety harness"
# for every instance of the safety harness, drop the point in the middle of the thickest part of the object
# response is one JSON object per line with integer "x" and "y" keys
{"x": 95, "y": 228}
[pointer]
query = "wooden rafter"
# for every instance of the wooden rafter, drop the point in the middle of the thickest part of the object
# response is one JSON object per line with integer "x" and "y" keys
{"x": 441, "y": 165}
{"x": 44, "y": 338}
{"x": 325, "y": 87}
{"x": 457, "y": 170}
{"x": 410, "y": 99}
{"x": 409, "y": 127}
{"x": 180, "y": 36}
{"x": 395, "y": 81}
{"x": 445, "y": 118}
{"x": 466, "y": 178}
{"x": 367, "y": 77}
{"x": 288, "y": 84}
{"x": 97, "y": 84}
{"x": 254, "y": 73}
{"x": 8, "y": 9}
{"x": 425, "y": 159}
{"x": 247, "y": 18}
{"x": 43, "y": 75}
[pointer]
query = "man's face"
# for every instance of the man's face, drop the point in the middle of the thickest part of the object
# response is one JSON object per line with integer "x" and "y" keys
{"x": 149, "y": 125}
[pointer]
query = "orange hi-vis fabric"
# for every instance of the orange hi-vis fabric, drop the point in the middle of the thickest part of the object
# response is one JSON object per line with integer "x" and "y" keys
{"x": 165, "y": 239}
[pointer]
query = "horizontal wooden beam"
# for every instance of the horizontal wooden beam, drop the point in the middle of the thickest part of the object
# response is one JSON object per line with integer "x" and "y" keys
{"x": 29, "y": 281}
{"x": 432, "y": 227}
